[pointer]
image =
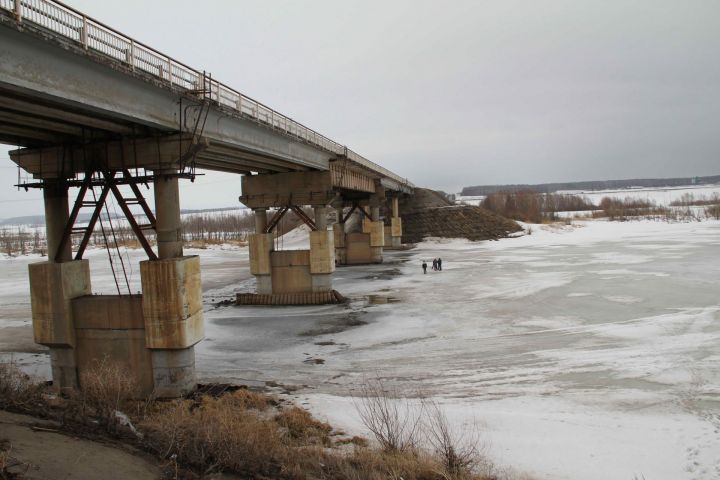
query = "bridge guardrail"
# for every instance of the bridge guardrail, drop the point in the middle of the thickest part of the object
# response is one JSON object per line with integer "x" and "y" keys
{"x": 93, "y": 35}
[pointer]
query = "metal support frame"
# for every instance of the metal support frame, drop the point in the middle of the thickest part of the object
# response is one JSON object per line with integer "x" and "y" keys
{"x": 281, "y": 213}
{"x": 276, "y": 219}
{"x": 109, "y": 183}
{"x": 308, "y": 221}
{"x": 355, "y": 206}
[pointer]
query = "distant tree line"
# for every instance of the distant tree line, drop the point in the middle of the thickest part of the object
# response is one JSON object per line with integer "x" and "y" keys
{"x": 481, "y": 190}
{"x": 532, "y": 207}
{"x": 198, "y": 230}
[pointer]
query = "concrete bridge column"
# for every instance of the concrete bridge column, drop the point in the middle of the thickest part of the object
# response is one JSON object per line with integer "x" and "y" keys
{"x": 171, "y": 297}
{"x": 322, "y": 252}
{"x": 167, "y": 209}
{"x": 339, "y": 238}
{"x": 396, "y": 224}
{"x": 55, "y": 196}
{"x": 377, "y": 233}
{"x": 260, "y": 245}
{"x": 53, "y": 285}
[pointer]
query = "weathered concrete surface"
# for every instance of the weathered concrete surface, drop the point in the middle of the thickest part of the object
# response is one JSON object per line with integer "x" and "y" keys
{"x": 108, "y": 312}
{"x": 172, "y": 302}
{"x": 396, "y": 226}
{"x": 112, "y": 329}
{"x": 63, "y": 364}
{"x": 173, "y": 372}
{"x": 358, "y": 248}
{"x": 291, "y": 188}
{"x": 52, "y": 287}
{"x": 291, "y": 271}
{"x": 377, "y": 234}
{"x": 339, "y": 241}
{"x": 167, "y": 212}
{"x": 259, "y": 247}
{"x": 55, "y": 198}
{"x": 322, "y": 252}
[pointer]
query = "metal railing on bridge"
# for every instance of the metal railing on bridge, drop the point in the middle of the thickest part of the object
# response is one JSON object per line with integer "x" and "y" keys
{"x": 93, "y": 35}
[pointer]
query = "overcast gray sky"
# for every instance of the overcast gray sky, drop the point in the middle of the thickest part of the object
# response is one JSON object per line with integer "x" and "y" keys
{"x": 456, "y": 93}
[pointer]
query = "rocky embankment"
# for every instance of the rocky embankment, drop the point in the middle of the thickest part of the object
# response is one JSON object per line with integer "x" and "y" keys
{"x": 430, "y": 214}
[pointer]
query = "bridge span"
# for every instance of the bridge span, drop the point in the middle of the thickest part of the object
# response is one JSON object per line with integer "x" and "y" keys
{"x": 97, "y": 111}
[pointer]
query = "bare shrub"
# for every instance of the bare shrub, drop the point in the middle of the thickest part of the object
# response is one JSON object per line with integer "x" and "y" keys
{"x": 457, "y": 451}
{"x": 394, "y": 421}
{"x": 525, "y": 206}
{"x": 622, "y": 209}
{"x": 17, "y": 390}
{"x": 713, "y": 211}
{"x": 689, "y": 199}
{"x": 106, "y": 387}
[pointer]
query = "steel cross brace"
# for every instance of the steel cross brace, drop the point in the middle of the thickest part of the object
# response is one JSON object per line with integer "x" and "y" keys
{"x": 109, "y": 184}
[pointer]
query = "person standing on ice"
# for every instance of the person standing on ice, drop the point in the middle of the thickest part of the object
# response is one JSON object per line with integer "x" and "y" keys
{"x": 434, "y": 263}
{"x": 439, "y": 264}
{"x": 424, "y": 267}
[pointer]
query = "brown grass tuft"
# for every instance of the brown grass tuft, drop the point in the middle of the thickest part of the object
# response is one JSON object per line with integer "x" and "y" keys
{"x": 301, "y": 426}
{"x": 18, "y": 391}
{"x": 106, "y": 388}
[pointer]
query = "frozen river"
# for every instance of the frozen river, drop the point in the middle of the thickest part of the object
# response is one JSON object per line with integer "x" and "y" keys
{"x": 582, "y": 352}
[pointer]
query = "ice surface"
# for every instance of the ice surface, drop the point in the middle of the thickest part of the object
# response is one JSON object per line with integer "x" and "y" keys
{"x": 584, "y": 351}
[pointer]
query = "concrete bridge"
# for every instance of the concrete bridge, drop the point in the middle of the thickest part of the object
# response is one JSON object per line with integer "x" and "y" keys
{"x": 91, "y": 109}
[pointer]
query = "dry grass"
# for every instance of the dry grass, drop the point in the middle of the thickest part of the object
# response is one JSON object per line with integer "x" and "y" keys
{"x": 5, "y": 459}
{"x": 18, "y": 392}
{"x": 230, "y": 433}
{"x": 106, "y": 387}
{"x": 252, "y": 435}
{"x": 301, "y": 426}
{"x": 713, "y": 211}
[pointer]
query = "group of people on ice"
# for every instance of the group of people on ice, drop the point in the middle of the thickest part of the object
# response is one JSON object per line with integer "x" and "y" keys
{"x": 436, "y": 265}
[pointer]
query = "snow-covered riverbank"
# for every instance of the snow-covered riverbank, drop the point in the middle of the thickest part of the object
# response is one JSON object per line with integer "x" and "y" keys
{"x": 586, "y": 351}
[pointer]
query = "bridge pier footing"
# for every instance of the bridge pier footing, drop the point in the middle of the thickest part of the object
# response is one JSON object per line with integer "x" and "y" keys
{"x": 286, "y": 277}
{"x": 149, "y": 337}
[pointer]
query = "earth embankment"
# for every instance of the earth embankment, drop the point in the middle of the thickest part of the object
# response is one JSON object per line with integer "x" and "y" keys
{"x": 429, "y": 214}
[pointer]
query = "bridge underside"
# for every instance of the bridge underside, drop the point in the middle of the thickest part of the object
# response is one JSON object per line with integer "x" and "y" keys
{"x": 81, "y": 118}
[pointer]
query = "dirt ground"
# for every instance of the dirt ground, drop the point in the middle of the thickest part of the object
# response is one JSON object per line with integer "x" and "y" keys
{"x": 34, "y": 454}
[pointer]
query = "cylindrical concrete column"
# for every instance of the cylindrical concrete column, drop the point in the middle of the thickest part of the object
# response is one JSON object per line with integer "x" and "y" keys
{"x": 374, "y": 213}
{"x": 339, "y": 213}
{"x": 321, "y": 217}
{"x": 395, "y": 207}
{"x": 55, "y": 195}
{"x": 167, "y": 214}
{"x": 260, "y": 220}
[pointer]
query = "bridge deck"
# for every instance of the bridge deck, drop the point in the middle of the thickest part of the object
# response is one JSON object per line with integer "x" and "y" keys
{"x": 66, "y": 77}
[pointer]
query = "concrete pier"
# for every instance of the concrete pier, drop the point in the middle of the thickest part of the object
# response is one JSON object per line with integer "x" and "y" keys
{"x": 296, "y": 276}
{"x": 171, "y": 297}
{"x": 393, "y": 232}
{"x": 167, "y": 212}
{"x": 55, "y": 197}
{"x": 149, "y": 336}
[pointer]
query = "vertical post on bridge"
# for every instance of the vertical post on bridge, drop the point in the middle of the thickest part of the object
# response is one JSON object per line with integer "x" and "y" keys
{"x": 167, "y": 209}
{"x": 260, "y": 245}
{"x": 53, "y": 285}
{"x": 377, "y": 231}
{"x": 171, "y": 297}
{"x": 55, "y": 197}
{"x": 396, "y": 224}
{"x": 339, "y": 236}
{"x": 322, "y": 252}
